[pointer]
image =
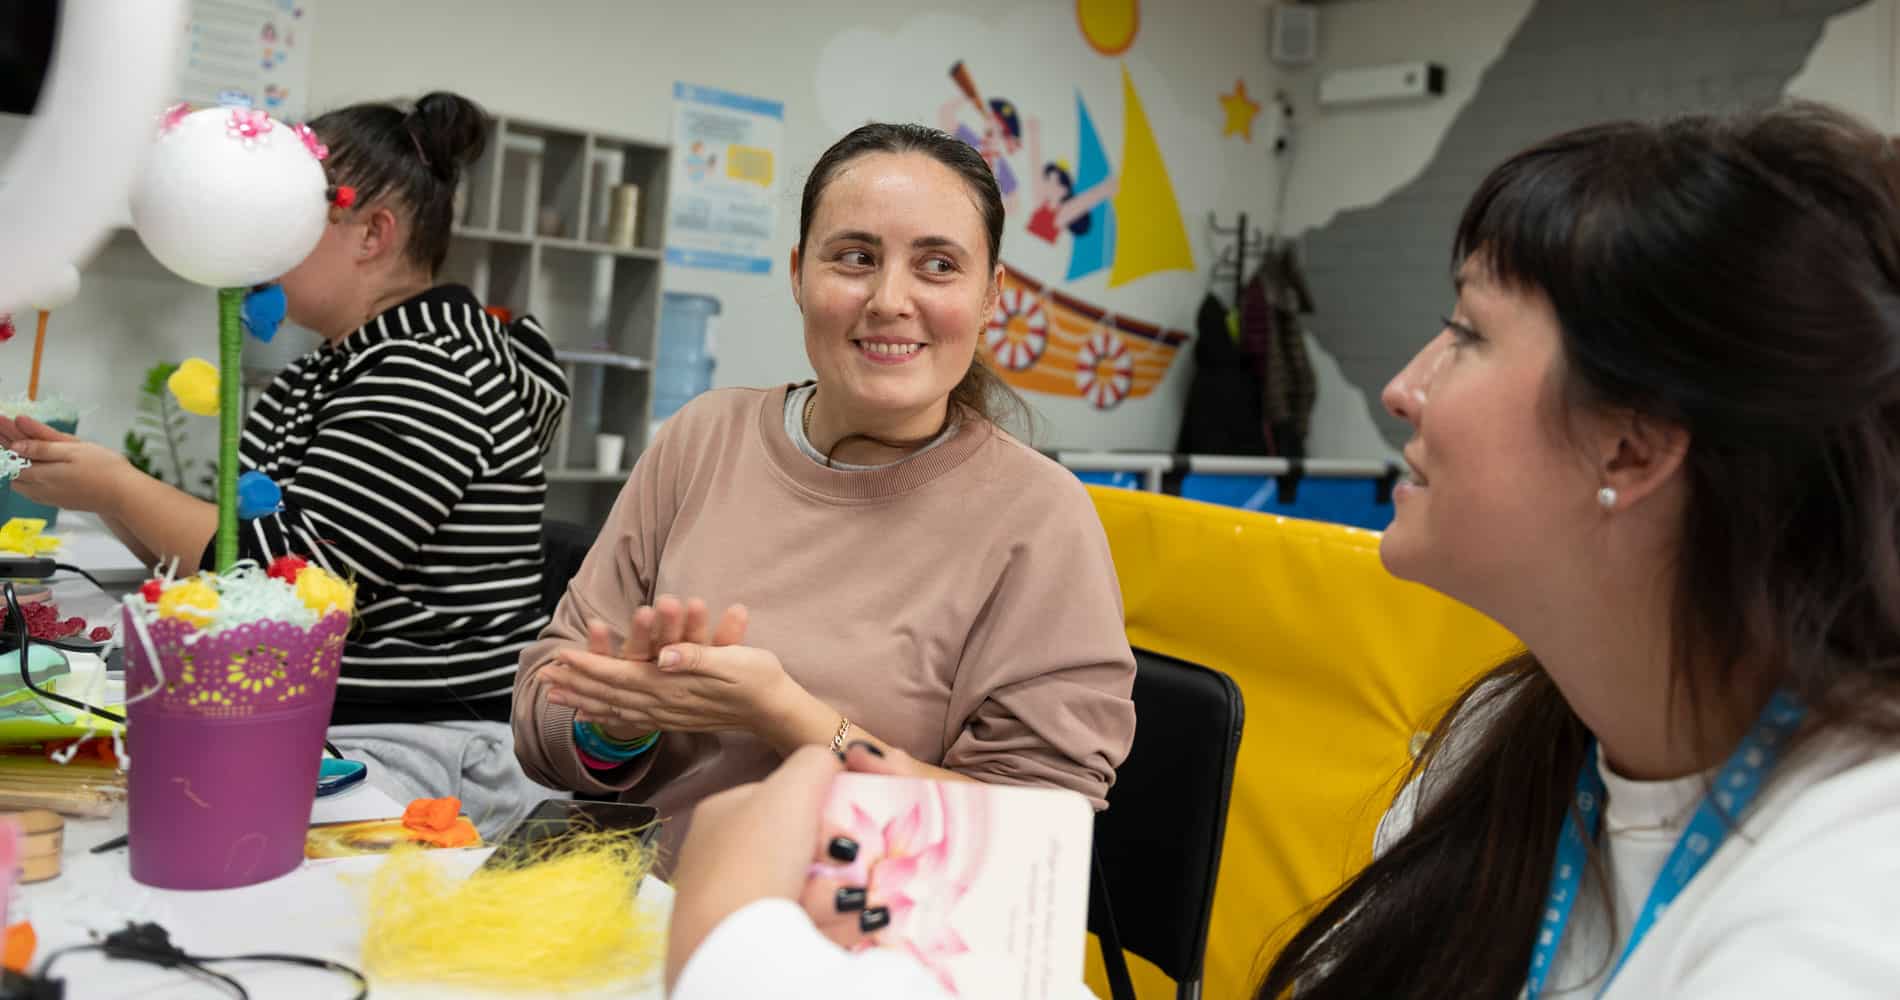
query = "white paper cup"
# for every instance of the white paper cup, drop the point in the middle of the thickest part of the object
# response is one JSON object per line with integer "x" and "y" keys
{"x": 608, "y": 449}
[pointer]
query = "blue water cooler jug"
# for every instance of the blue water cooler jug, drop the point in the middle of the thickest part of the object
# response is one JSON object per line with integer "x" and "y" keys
{"x": 684, "y": 368}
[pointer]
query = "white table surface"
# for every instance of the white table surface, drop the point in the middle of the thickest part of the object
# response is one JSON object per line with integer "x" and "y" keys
{"x": 85, "y": 543}
{"x": 315, "y": 910}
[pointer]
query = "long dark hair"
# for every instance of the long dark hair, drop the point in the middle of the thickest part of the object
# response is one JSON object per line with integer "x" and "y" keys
{"x": 1738, "y": 277}
{"x": 981, "y": 391}
{"x": 415, "y": 154}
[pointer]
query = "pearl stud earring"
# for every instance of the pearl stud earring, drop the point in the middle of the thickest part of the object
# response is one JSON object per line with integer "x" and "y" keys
{"x": 1606, "y": 498}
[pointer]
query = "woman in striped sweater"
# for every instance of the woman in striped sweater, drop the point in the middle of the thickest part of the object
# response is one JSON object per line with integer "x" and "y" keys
{"x": 408, "y": 447}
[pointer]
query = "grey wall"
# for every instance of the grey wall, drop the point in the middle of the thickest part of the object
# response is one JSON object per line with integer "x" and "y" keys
{"x": 1381, "y": 273}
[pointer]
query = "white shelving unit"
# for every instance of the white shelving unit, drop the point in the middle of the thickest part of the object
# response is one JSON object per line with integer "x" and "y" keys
{"x": 533, "y": 234}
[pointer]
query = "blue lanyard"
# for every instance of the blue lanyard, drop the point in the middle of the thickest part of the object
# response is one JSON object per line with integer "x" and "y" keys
{"x": 1732, "y": 792}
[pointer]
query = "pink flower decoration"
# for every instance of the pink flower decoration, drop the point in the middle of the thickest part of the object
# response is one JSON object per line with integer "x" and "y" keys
{"x": 919, "y": 862}
{"x": 310, "y": 141}
{"x": 173, "y": 115}
{"x": 247, "y": 126}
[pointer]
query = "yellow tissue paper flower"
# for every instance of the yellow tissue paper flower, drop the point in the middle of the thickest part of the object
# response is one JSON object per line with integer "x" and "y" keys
{"x": 187, "y": 599}
{"x": 195, "y": 384}
{"x": 22, "y": 535}
{"x": 320, "y": 592}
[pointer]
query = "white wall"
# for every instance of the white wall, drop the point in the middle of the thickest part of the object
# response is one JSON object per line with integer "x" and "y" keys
{"x": 1356, "y": 156}
{"x": 1853, "y": 67}
{"x": 1351, "y": 158}
{"x": 611, "y": 64}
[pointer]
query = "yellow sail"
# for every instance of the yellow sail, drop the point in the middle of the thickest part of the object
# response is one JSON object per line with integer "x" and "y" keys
{"x": 1150, "y": 236}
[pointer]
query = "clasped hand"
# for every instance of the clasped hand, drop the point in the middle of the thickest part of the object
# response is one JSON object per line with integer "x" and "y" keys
{"x": 674, "y": 672}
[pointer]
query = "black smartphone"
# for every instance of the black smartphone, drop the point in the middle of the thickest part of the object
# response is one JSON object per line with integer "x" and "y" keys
{"x": 555, "y": 818}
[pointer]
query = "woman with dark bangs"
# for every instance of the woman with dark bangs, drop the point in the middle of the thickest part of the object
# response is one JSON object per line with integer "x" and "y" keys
{"x": 1657, "y": 440}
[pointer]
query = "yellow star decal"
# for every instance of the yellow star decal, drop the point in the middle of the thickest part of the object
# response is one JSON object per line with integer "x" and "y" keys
{"x": 1241, "y": 110}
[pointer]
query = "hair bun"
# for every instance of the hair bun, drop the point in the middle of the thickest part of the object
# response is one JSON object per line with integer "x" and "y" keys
{"x": 450, "y": 130}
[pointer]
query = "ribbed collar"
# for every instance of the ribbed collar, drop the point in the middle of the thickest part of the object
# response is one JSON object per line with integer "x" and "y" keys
{"x": 425, "y": 312}
{"x": 866, "y": 486}
{"x": 1660, "y": 808}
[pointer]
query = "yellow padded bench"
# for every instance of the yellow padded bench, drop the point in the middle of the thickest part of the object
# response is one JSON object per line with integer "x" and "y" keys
{"x": 1340, "y": 664}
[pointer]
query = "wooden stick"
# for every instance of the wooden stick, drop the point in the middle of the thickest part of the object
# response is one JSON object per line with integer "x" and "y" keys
{"x": 67, "y": 802}
{"x": 39, "y": 348}
{"x": 87, "y": 781}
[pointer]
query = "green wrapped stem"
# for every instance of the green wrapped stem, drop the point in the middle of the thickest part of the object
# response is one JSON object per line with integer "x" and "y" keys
{"x": 230, "y": 417}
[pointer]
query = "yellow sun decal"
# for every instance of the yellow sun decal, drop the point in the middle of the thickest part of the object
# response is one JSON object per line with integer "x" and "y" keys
{"x": 1109, "y": 25}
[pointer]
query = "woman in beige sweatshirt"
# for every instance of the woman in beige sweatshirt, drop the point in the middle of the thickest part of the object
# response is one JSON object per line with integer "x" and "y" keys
{"x": 897, "y": 568}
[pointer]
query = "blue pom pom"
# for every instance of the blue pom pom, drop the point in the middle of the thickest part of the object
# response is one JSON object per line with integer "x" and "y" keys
{"x": 263, "y": 311}
{"x": 258, "y": 496}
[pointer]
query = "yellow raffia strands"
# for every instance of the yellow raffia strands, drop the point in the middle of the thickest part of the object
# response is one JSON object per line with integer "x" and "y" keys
{"x": 23, "y": 535}
{"x": 321, "y": 592}
{"x": 557, "y": 918}
{"x": 189, "y": 599}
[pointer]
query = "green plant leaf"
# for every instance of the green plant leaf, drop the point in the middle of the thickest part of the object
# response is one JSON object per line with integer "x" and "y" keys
{"x": 135, "y": 452}
{"x": 156, "y": 375}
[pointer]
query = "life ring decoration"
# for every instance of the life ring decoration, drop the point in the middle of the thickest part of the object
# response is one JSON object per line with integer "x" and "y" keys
{"x": 1018, "y": 331}
{"x": 1104, "y": 369}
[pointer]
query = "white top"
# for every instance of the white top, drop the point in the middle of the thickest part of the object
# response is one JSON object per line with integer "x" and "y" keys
{"x": 1802, "y": 900}
{"x": 769, "y": 950}
{"x": 795, "y": 427}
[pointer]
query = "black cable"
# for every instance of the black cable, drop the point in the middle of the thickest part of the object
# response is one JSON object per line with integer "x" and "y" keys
{"x": 181, "y": 963}
{"x": 70, "y": 568}
{"x": 307, "y": 961}
{"x": 151, "y": 943}
{"x": 25, "y": 636}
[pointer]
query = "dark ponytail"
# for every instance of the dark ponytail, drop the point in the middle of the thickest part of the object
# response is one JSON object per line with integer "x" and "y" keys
{"x": 412, "y": 156}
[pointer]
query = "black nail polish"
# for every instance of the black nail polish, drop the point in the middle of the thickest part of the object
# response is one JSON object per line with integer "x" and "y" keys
{"x": 842, "y": 849}
{"x": 874, "y": 919}
{"x": 869, "y": 748}
{"x": 850, "y": 899}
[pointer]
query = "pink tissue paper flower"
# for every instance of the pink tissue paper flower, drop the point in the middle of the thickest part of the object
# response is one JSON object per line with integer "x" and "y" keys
{"x": 247, "y": 126}
{"x": 310, "y": 141}
{"x": 173, "y": 115}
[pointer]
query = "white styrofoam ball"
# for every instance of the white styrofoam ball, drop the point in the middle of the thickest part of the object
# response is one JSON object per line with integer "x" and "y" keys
{"x": 68, "y": 172}
{"x": 61, "y": 287}
{"x": 230, "y": 198}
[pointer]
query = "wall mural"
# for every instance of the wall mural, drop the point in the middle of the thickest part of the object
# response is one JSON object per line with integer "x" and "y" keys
{"x": 1101, "y": 166}
{"x": 1118, "y": 215}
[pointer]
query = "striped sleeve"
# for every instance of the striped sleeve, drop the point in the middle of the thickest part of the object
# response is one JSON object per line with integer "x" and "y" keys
{"x": 391, "y": 455}
{"x": 544, "y": 385}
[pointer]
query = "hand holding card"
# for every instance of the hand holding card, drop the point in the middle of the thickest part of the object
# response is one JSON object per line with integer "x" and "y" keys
{"x": 926, "y": 867}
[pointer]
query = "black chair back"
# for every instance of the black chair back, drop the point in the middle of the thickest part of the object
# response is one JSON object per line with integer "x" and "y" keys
{"x": 563, "y": 545}
{"x": 1158, "y": 845}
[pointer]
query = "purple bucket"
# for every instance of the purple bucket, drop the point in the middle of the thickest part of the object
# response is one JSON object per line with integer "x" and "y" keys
{"x": 225, "y": 756}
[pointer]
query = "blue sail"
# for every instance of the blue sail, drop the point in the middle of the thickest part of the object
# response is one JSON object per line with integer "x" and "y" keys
{"x": 1095, "y": 250}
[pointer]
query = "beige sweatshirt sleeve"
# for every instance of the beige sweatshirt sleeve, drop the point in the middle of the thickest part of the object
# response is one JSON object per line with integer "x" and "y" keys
{"x": 1045, "y": 680}
{"x": 615, "y": 579}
